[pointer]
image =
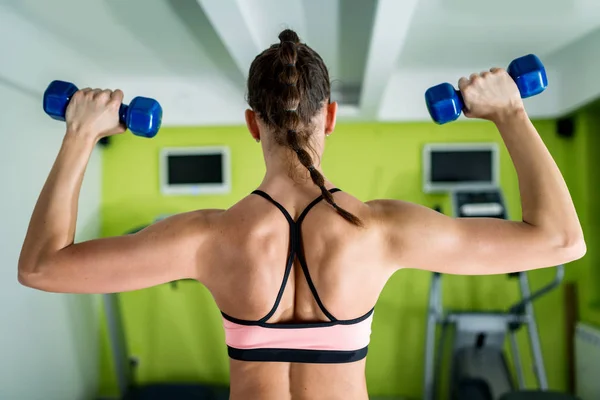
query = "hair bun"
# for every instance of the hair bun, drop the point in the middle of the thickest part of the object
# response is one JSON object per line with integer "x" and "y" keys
{"x": 289, "y": 36}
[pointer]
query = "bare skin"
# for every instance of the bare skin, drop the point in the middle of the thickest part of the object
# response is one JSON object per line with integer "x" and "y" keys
{"x": 240, "y": 253}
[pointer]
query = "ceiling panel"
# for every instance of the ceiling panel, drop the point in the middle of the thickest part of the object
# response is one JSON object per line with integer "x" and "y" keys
{"x": 175, "y": 45}
{"x": 471, "y": 34}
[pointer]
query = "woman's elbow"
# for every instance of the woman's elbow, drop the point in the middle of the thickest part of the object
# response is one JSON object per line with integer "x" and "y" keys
{"x": 32, "y": 274}
{"x": 573, "y": 248}
{"x": 28, "y": 279}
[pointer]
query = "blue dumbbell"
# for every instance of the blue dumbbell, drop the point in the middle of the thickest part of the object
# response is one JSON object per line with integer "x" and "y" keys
{"x": 143, "y": 116}
{"x": 446, "y": 103}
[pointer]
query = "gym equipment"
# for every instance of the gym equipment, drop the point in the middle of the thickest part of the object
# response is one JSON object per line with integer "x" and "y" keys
{"x": 125, "y": 365}
{"x": 478, "y": 368}
{"x": 445, "y": 103}
{"x": 482, "y": 203}
{"x": 478, "y": 365}
{"x": 143, "y": 116}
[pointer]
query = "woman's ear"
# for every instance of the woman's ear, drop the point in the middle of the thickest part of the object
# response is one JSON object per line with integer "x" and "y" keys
{"x": 331, "y": 118}
{"x": 252, "y": 124}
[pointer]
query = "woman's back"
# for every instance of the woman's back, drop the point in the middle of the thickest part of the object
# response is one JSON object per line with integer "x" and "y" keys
{"x": 344, "y": 264}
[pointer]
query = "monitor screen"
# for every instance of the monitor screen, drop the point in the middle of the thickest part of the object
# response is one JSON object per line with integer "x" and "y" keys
{"x": 449, "y": 167}
{"x": 195, "y": 171}
{"x": 461, "y": 166}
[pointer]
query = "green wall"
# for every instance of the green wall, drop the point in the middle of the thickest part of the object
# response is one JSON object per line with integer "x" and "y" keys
{"x": 582, "y": 170}
{"x": 177, "y": 333}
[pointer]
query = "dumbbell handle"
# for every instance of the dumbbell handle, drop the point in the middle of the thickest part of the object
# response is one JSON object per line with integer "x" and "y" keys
{"x": 461, "y": 100}
{"x": 122, "y": 109}
{"x": 445, "y": 103}
{"x": 143, "y": 116}
{"x": 123, "y": 113}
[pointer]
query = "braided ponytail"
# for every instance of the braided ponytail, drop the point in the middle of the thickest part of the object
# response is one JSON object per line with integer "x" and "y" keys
{"x": 295, "y": 139}
{"x": 288, "y": 97}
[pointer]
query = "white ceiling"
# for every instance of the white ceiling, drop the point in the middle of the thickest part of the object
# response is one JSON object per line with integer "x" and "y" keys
{"x": 193, "y": 55}
{"x": 470, "y": 32}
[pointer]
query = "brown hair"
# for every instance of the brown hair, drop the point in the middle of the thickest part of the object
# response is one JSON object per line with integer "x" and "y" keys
{"x": 287, "y": 85}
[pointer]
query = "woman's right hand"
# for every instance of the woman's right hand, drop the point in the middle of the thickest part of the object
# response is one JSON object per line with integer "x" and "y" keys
{"x": 94, "y": 113}
{"x": 491, "y": 95}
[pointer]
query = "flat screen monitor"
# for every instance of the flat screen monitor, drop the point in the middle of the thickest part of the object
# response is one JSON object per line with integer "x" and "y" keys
{"x": 195, "y": 170}
{"x": 464, "y": 166}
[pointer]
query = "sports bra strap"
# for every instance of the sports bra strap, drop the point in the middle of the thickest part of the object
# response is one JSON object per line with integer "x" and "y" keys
{"x": 314, "y": 203}
{"x": 286, "y": 213}
{"x": 277, "y": 204}
{"x": 295, "y": 251}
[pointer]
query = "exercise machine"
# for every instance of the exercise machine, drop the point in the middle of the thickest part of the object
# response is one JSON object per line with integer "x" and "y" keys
{"x": 478, "y": 364}
{"x": 478, "y": 367}
{"x": 125, "y": 365}
{"x": 143, "y": 116}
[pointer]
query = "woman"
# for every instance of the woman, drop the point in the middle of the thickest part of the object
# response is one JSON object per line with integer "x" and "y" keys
{"x": 297, "y": 266}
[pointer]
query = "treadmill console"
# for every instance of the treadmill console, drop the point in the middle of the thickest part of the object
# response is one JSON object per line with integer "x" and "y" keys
{"x": 487, "y": 203}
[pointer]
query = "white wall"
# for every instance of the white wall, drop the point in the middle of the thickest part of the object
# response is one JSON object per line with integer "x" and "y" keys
{"x": 48, "y": 342}
{"x": 580, "y": 66}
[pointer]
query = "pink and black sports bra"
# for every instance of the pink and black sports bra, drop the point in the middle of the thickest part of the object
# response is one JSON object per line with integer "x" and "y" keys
{"x": 334, "y": 341}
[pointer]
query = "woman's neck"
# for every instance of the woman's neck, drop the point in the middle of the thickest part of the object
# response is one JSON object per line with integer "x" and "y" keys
{"x": 285, "y": 172}
{"x": 286, "y": 179}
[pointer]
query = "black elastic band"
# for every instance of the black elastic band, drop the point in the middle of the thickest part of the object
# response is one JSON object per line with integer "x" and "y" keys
{"x": 290, "y": 84}
{"x": 298, "y": 356}
{"x": 311, "y": 168}
{"x": 281, "y": 208}
{"x": 292, "y": 325}
{"x": 312, "y": 204}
